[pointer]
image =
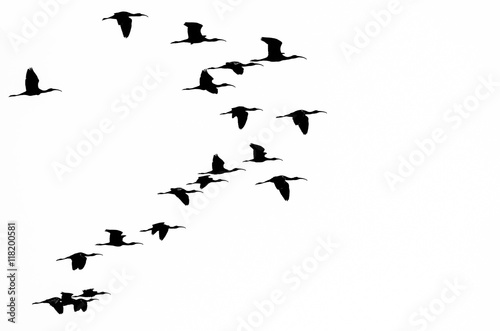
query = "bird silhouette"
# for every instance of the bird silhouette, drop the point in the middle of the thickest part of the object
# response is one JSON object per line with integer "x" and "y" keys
{"x": 124, "y": 20}
{"x": 207, "y": 84}
{"x": 78, "y": 260}
{"x": 81, "y": 304}
{"x": 259, "y": 155}
{"x": 300, "y": 118}
{"x": 90, "y": 293}
{"x": 218, "y": 167}
{"x": 205, "y": 180}
{"x": 54, "y": 302}
{"x": 241, "y": 113}
{"x": 162, "y": 229}
{"x": 116, "y": 239}
{"x": 274, "y": 53}
{"x": 181, "y": 194}
{"x": 67, "y": 298}
{"x": 237, "y": 67}
{"x": 194, "y": 35}
{"x": 31, "y": 84}
{"x": 280, "y": 182}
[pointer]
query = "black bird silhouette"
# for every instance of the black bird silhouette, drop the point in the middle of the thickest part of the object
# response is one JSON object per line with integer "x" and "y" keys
{"x": 162, "y": 228}
{"x": 281, "y": 184}
{"x": 205, "y": 180}
{"x": 218, "y": 167}
{"x": 241, "y": 113}
{"x": 55, "y": 303}
{"x": 67, "y": 298}
{"x": 259, "y": 155}
{"x": 31, "y": 84}
{"x": 116, "y": 239}
{"x": 274, "y": 53}
{"x": 78, "y": 260}
{"x": 237, "y": 67}
{"x": 90, "y": 293}
{"x": 207, "y": 84}
{"x": 194, "y": 35}
{"x": 300, "y": 118}
{"x": 81, "y": 304}
{"x": 181, "y": 194}
{"x": 124, "y": 20}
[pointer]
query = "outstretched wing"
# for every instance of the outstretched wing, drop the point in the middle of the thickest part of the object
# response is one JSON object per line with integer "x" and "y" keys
{"x": 194, "y": 30}
{"x": 273, "y": 45}
{"x": 284, "y": 189}
{"x": 78, "y": 262}
{"x": 217, "y": 163}
{"x": 164, "y": 231}
{"x": 303, "y": 122}
{"x": 205, "y": 78}
{"x": 183, "y": 197}
{"x": 242, "y": 119}
{"x": 258, "y": 151}
{"x": 126, "y": 25}
{"x": 31, "y": 81}
{"x": 114, "y": 235}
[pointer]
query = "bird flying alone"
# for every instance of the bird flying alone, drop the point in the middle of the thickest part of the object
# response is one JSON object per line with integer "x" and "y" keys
{"x": 281, "y": 184}
{"x": 259, "y": 155}
{"x": 31, "y": 84}
{"x": 194, "y": 35}
{"x": 274, "y": 53}
{"x": 241, "y": 113}
{"x": 78, "y": 260}
{"x": 237, "y": 67}
{"x": 300, "y": 118}
{"x": 116, "y": 239}
{"x": 124, "y": 20}
{"x": 203, "y": 181}
{"x": 218, "y": 167}
{"x": 181, "y": 194}
{"x": 207, "y": 84}
{"x": 162, "y": 229}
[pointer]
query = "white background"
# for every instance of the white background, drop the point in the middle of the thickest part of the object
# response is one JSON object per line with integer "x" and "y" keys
{"x": 397, "y": 247}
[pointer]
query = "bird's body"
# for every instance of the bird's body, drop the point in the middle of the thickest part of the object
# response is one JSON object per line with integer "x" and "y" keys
{"x": 241, "y": 113}
{"x": 124, "y": 21}
{"x": 274, "y": 53}
{"x": 81, "y": 304}
{"x": 31, "y": 83}
{"x": 55, "y": 303}
{"x": 90, "y": 293}
{"x": 237, "y": 67}
{"x": 218, "y": 167}
{"x": 181, "y": 194}
{"x": 281, "y": 184}
{"x": 207, "y": 84}
{"x": 78, "y": 260}
{"x": 259, "y": 155}
{"x": 162, "y": 229}
{"x": 116, "y": 239}
{"x": 300, "y": 118}
{"x": 203, "y": 181}
{"x": 194, "y": 35}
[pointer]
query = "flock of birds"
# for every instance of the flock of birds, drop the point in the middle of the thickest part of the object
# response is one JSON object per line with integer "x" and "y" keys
{"x": 299, "y": 117}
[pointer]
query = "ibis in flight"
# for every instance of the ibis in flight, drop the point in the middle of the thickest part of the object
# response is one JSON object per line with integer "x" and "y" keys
{"x": 274, "y": 53}
{"x": 300, "y": 118}
{"x": 181, "y": 194}
{"x": 218, "y": 167}
{"x": 54, "y": 302}
{"x": 124, "y": 21}
{"x": 162, "y": 229}
{"x": 241, "y": 113}
{"x": 78, "y": 260}
{"x": 194, "y": 35}
{"x": 90, "y": 293}
{"x": 281, "y": 184}
{"x": 259, "y": 155}
{"x": 116, "y": 239}
{"x": 205, "y": 180}
{"x": 31, "y": 84}
{"x": 207, "y": 83}
{"x": 237, "y": 67}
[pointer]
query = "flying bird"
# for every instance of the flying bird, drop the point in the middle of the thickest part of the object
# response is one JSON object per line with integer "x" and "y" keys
{"x": 241, "y": 113}
{"x": 90, "y": 293}
{"x": 78, "y": 260}
{"x": 181, "y": 194}
{"x": 31, "y": 84}
{"x": 124, "y": 21}
{"x": 116, "y": 239}
{"x": 218, "y": 167}
{"x": 207, "y": 83}
{"x": 259, "y": 155}
{"x": 280, "y": 182}
{"x": 67, "y": 298}
{"x": 55, "y": 303}
{"x": 162, "y": 229}
{"x": 194, "y": 35}
{"x": 205, "y": 180}
{"x": 237, "y": 67}
{"x": 81, "y": 304}
{"x": 274, "y": 53}
{"x": 300, "y": 118}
